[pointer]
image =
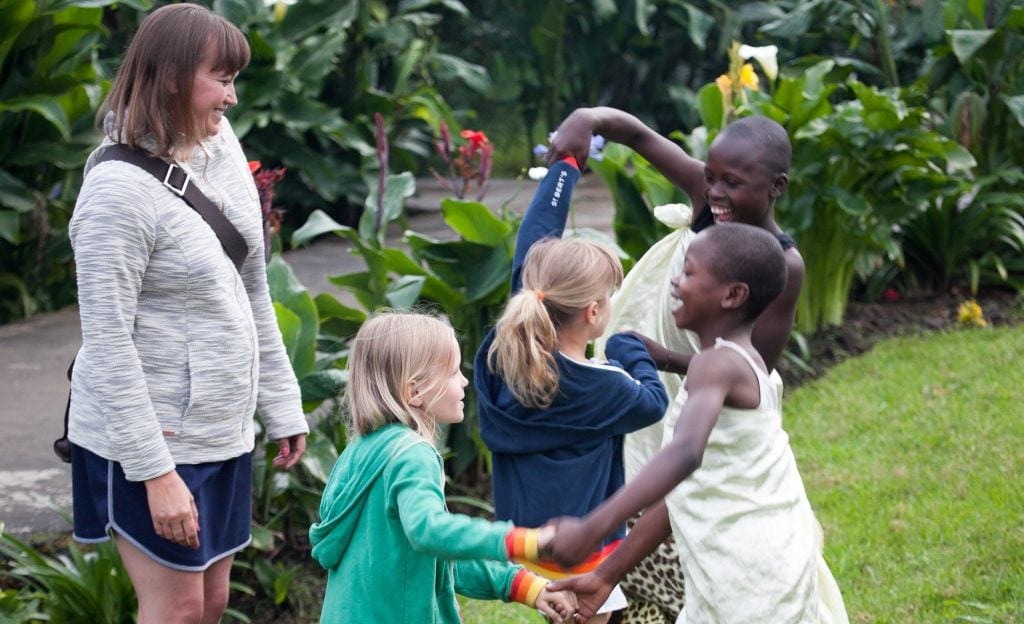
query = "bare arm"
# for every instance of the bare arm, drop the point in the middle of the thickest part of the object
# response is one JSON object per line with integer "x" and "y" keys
{"x": 664, "y": 358}
{"x": 573, "y": 137}
{"x": 708, "y": 383}
{"x": 775, "y": 323}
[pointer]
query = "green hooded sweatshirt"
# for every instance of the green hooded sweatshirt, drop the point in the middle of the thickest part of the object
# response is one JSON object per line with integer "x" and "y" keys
{"x": 392, "y": 551}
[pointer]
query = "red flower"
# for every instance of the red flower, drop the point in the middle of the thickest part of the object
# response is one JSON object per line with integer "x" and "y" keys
{"x": 476, "y": 138}
{"x": 468, "y": 164}
{"x": 891, "y": 294}
{"x": 254, "y": 166}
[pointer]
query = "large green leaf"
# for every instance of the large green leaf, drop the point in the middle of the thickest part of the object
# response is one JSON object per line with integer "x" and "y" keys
{"x": 966, "y": 43}
{"x": 1016, "y": 105}
{"x": 76, "y": 31}
{"x": 288, "y": 292}
{"x": 290, "y": 326}
{"x": 318, "y": 386}
{"x": 305, "y": 18}
{"x": 320, "y": 455}
{"x": 17, "y": 15}
{"x": 451, "y": 67}
{"x": 337, "y": 318}
{"x": 491, "y": 274}
{"x": 405, "y": 291}
{"x": 699, "y": 25}
{"x": 14, "y": 193}
{"x": 711, "y": 106}
{"x": 9, "y": 230}
{"x": 474, "y": 222}
{"x": 318, "y": 224}
{"x": 46, "y": 106}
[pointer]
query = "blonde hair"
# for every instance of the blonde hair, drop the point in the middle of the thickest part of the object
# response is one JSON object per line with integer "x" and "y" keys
{"x": 152, "y": 92}
{"x": 560, "y": 277}
{"x": 391, "y": 352}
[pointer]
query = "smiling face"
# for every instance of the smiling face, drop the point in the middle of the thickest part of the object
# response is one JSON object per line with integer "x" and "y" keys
{"x": 697, "y": 292}
{"x": 213, "y": 91}
{"x": 738, "y": 184}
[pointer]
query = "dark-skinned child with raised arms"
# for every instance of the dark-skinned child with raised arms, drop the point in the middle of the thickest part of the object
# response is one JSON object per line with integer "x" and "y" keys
{"x": 725, "y": 483}
{"x": 746, "y": 171}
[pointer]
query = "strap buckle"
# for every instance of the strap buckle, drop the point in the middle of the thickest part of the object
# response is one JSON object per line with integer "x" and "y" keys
{"x": 169, "y": 184}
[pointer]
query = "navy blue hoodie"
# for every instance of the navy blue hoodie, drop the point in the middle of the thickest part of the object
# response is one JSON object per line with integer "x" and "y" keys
{"x": 564, "y": 460}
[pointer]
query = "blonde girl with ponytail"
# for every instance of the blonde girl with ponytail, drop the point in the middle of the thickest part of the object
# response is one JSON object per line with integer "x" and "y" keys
{"x": 553, "y": 418}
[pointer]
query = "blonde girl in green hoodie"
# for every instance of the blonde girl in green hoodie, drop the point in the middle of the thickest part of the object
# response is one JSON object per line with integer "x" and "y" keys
{"x": 392, "y": 551}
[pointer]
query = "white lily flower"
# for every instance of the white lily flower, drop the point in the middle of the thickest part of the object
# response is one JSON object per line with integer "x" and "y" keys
{"x": 766, "y": 57}
{"x": 537, "y": 173}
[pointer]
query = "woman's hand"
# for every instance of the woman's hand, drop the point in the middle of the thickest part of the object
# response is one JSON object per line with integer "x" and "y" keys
{"x": 173, "y": 509}
{"x": 290, "y": 451}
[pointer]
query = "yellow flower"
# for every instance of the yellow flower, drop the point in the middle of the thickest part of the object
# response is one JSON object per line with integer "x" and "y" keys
{"x": 970, "y": 314}
{"x": 725, "y": 86}
{"x": 748, "y": 78}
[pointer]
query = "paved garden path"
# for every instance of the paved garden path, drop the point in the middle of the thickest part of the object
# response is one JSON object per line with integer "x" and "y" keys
{"x": 34, "y": 356}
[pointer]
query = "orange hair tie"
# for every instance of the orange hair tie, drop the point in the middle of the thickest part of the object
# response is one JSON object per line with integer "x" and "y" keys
{"x": 539, "y": 293}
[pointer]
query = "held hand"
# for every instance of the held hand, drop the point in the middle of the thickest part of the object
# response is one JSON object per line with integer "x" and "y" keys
{"x": 545, "y": 534}
{"x": 558, "y": 606}
{"x": 591, "y": 592}
{"x": 173, "y": 510}
{"x": 291, "y": 450}
{"x": 572, "y": 542}
{"x": 571, "y": 139}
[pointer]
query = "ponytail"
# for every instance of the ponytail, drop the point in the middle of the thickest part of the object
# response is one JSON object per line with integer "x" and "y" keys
{"x": 560, "y": 277}
{"x": 523, "y": 350}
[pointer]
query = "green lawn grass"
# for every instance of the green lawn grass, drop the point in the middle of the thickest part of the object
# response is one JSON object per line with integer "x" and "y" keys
{"x": 913, "y": 458}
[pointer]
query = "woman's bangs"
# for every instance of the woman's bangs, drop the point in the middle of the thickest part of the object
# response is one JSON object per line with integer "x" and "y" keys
{"x": 231, "y": 50}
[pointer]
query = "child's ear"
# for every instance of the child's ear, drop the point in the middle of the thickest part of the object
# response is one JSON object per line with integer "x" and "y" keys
{"x": 590, "y": 313}
{"x": 414, "y": 394}
{"x": 779, "y": 185}
{"x": 736, "y": 296}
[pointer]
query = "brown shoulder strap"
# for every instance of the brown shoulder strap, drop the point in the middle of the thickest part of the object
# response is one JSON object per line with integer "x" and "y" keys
{"x": 180, "y": 183}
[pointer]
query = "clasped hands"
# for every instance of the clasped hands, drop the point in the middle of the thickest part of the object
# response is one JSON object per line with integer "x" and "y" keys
{"x": 568, "y": 542}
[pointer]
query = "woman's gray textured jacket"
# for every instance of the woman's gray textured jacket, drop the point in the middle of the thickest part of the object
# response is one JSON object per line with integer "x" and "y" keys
{"x": 178, "y": 348}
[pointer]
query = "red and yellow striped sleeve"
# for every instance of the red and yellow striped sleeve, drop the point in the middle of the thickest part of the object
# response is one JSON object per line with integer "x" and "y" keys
{"x": 522, "y": 544}
{"x": 552, "y": 570}
{"x": 526, "y": 586}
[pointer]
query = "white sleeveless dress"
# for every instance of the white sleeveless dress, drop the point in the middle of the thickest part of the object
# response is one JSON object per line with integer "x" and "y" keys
{"x": 748, "y": 540}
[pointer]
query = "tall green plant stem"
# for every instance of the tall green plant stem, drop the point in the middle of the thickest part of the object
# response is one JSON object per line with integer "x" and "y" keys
{"x": 885, "y": 44}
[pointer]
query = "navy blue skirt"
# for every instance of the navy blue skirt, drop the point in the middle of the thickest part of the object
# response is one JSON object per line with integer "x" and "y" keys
{"x": 104, "y": 500}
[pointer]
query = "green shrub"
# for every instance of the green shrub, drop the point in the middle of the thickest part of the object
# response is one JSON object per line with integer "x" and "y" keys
{"x": 79, "y": 585}
{"x": 50, "y": 86}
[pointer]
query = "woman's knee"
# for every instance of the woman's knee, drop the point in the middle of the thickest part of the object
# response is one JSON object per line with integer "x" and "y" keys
{"x": 215, "y": 603}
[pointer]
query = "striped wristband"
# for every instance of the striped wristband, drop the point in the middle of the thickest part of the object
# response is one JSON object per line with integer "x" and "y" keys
{"x": 526, "y": 586}
{"x": 522, "y": 544}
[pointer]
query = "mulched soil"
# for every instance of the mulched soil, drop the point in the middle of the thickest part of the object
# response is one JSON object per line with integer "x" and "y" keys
{"x": 867, "y": 323}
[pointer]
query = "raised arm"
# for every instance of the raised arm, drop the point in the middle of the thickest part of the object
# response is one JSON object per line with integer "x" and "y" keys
{"x": 573, "y": 137}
